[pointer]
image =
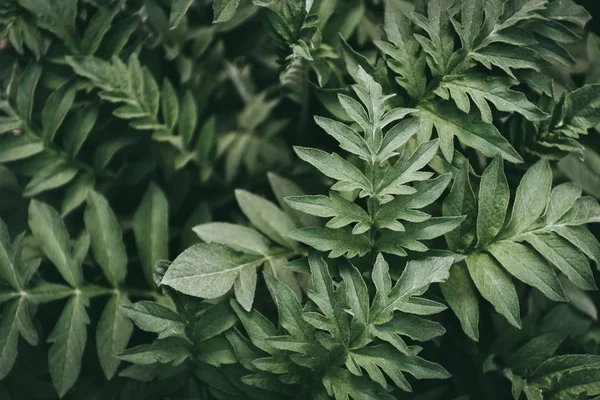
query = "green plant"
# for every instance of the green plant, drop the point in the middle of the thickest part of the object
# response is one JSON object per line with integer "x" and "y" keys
{"x": 235, "y": 199}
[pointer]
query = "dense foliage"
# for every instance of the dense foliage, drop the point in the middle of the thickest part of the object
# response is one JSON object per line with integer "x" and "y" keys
{"x": 299, "y": 199}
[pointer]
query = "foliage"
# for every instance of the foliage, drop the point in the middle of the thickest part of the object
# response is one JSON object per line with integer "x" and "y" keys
{"x": 264, "y": 199}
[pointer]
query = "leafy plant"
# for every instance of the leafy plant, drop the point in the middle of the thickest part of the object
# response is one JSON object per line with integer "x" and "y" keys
{"x": 235, "y": 199}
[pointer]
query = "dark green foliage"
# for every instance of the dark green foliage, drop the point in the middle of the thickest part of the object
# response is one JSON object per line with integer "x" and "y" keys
{"x": 264, "y": 199}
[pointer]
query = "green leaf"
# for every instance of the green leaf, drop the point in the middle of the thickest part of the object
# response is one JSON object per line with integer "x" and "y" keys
{"x": 187, "y": 118}
{"x": 338, "y": 242}
{"x": 343, "y": 211}
{"x": 56, "y": 108}
{"x": 461, "y": 201}
{"x": 266, "y": 217}
{"x": 151, "y": 230}
{"x": 335, "y": 167}
{"x": 211, "y": 270}
{"x": 51, "y": 233}
{"x": 494, "y": 196}
{"x": 60, "y": 20}
{"x": 178, "y": 10}
{"x": 528, "y": 267}
{"x": 403, "y": 50}
{"x": 78, "y": 128}
{"x": 580, "y": 110}
{"x": 106, "y": 238}
{"x": 532, "y": 196}
{"x": 283, "y": 188}
{"x": 495, "y": 286}
{"x": 348, "y": 138}
{"x": 482, "y": 89}
{"x": 19, "y": 147}
{"x": 153, "y": 317}
{"x": 470, "y": 130}
{"x": 224, "y": 9}
{"x": 440, "y": 44}
{"x": 25, "y": 94}
{"x": 9, "y": 259}
{"x": 54, "y": 176}
{"x": 459, "y": 292}
{"x": 14, "y": 320}
{"x": 68, "y": 340}
{"x": 171, "y": 350}
{"x": 237, "y": 237}
{"x": 112, "y": 334}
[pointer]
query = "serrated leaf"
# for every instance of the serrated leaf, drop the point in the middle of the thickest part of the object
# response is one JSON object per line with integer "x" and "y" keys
{"x": 469, "y": 130}
{"x": 237, "y": 237}
{"x": 210, "y": 270}
{"x": 153, "y": 317}
{"x": 335, "y": 167}
{"x": 528, "y": 267}
{"x": 338, "y": 242}
{"x": 494, "y": 196}
{"x": 461, "y": 201}
{"x": 266, "y": 217}
{"x": 343, "y": 211}
{"x": 531, "y": 198}
{"x": 495, "y": 286}
{"x": 481, "y": 89}
{"x": 171, "y": 350}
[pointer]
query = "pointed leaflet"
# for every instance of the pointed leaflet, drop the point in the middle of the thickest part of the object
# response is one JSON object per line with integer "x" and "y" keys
{"x": 178, "y": 10}
{"x": 495, "y": 286}
{"x": 334, "y": 166}
{"x": 338, "y": 242}
{"x": 462, "y": 298}
{"x": 494, "y": 195}
{"x": 266, "y": 217}
{"x": 151, "y": 229}
{"x": 68, "y": 340}
{"x": 461, "y": 201}
{"x": 8, "y": 259}
{"x": 56, "y": 108}
{"x": 238, "y": 237}
{"x": 527, "y": 266}
{"x": 483, "y": 88}
{"x": 283, "y": 188}
{"x": 289, "y": 309}
{"x": 106, "y": 238}
{"x": 210, "y": 270}
{"x": 112, "y": 334}
{"x": 470, "y": 130}
{"x": 343, "y": 211}
{"x": 531, "y": 198}
{"x": 51, "y": 233}
{"x": 326, "y": 298}
{"x": 171, "y": 350}
{"x": 440, "y": 44}
{"x": 14, "y": 320}
{"x": 403, "y": 51}
{"x": 348, "y": 138}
